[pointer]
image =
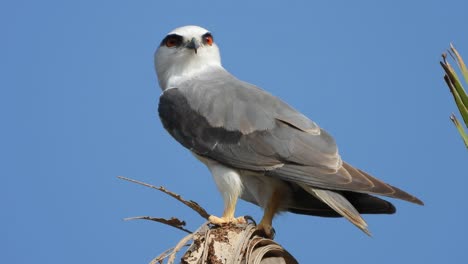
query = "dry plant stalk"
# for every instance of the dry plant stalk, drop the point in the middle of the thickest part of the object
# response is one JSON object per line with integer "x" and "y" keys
{"x": 228, "y": 244}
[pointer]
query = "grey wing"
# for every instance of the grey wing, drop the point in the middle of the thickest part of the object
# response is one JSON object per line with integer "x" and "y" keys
{"x": 242, "y": 126}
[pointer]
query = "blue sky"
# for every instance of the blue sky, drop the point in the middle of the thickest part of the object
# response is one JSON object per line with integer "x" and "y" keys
{"x": 78, "y": 104}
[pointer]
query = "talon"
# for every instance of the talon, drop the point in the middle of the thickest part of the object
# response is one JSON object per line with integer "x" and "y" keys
{"x": 266, "y": 231}
{"x": 249, "y": 218}
{"x": 241, "y": 220}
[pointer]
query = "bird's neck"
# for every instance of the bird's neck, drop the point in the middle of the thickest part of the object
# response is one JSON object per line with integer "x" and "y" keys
{"x": 173, "y": 75}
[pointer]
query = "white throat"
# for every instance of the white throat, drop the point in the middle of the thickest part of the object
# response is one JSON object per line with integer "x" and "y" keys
{"x": 180, "y": 72}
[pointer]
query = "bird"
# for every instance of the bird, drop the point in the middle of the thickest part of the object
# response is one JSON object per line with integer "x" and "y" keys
{"x": 257, "y": 147}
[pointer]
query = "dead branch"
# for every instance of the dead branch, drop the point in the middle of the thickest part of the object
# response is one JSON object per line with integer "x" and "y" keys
{"x": 174, "y": 222}
{"x": 191, "y": 204}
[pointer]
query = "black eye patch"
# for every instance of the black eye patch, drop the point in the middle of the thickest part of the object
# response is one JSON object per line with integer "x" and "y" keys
{"x": 172, "y": 40}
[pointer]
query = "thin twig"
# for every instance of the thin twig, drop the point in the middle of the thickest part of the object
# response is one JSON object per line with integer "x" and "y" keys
{"x": 174, "y": 222}
{"x": 193, "y": 205}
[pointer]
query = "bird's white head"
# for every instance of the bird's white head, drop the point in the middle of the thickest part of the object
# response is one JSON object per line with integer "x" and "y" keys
{"x": 184, "y": 53}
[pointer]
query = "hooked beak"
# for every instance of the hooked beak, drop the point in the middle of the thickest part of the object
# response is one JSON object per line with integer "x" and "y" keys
{"x": 193, "y": 44}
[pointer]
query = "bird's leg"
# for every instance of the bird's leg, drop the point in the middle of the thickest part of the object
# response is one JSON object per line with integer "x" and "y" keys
{"x": 228, "y": 214}
{"x": 272, "y": 207}
{"x": 229, "y": 185}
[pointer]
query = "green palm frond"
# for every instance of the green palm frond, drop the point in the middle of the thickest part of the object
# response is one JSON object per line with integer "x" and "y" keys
{"x": 456, "y": 88}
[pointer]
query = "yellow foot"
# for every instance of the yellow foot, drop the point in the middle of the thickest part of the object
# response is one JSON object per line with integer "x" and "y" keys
{"x": 226, "y": 220}
{"x": 266, "y": 230}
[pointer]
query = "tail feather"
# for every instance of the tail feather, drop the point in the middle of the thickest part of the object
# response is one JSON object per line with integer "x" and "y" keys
{"x": 340, "y": 204}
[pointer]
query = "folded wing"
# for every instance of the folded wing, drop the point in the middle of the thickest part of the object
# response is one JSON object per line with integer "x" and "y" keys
{"x": 244, "y": 127}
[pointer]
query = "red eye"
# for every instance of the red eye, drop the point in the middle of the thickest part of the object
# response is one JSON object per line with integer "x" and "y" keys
{"x": 171, "y": 42}
{"x": 208, "y": 39}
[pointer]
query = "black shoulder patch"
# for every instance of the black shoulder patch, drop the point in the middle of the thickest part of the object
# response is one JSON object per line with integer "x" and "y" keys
{"x": 188, "y": 127}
